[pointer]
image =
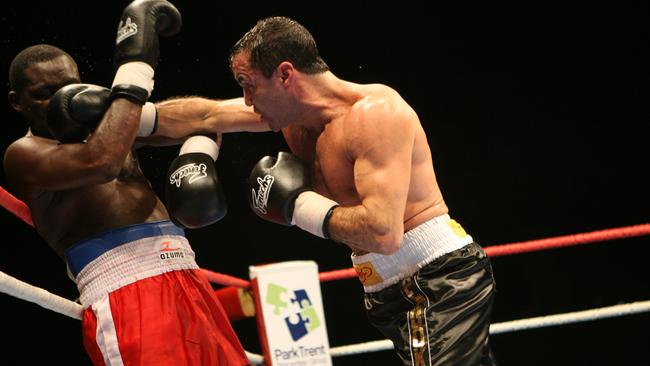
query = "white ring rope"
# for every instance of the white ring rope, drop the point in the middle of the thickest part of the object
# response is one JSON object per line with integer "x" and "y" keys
{"x": 22, "y": 290}
{"x": 48, "y": 300}
{"x": 572, "y": 317}
{"x": 254, "y": 358}
{"x": 25, "y": 291}
{"x": 515, "y": 325}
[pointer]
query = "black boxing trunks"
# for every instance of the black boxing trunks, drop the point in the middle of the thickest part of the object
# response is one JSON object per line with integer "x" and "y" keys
{"x": 147, "y": 303}
{"x": 433, "y": 297}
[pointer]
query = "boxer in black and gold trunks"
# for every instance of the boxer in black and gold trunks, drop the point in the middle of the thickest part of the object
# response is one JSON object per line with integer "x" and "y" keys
{"x": 363, "y": 175}
{"x": 432, "y": 298}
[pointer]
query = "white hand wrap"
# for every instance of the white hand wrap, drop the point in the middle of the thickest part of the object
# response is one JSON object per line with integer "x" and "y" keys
{"x": 135, "y": 73}
{"x": 148, "y": 120}
{"x": 310, "y": 211}
{"x": 200, "y": 144}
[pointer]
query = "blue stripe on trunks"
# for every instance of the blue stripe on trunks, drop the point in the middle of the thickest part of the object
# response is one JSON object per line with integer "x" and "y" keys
{"x": 84, "y": 252}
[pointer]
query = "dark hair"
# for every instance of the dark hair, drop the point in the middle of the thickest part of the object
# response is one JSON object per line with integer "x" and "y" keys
{"x": 277, "y": 39}
{"x": 28, "y": 57}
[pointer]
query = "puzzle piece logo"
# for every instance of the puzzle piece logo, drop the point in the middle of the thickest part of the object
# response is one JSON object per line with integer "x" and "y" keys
{"x": 301, "y": 317}
{"x": 274, "y": 294}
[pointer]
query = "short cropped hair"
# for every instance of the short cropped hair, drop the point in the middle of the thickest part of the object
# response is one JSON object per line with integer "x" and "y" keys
{"x": 276, "y": 39}
{"x": 29, "y": 56}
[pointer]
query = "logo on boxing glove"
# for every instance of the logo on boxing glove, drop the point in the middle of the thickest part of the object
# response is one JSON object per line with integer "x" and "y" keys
{"x": 261, "y": 197}
{"x": 125, "y": 30}
{"x": 193, "y": 171}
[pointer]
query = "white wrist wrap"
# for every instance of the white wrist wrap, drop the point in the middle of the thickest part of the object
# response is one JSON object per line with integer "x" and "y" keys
{"x": 200, "y": 144}
{"x": 147, "y": 120}
{"x": 310, "y": 210}
{"x": 135, "y": 73}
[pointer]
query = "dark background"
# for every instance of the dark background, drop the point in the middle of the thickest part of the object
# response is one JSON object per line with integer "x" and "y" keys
{"x": 537, "y": 118}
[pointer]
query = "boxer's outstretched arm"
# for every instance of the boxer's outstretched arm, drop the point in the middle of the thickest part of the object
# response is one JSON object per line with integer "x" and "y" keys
{"x": 181, "y": 117}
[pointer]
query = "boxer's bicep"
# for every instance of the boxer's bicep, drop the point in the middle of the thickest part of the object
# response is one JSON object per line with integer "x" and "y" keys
{"x": 379, "y": 144}
{"x": 382, "y": 169}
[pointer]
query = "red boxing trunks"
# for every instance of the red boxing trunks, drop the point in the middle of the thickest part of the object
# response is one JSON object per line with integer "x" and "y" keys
{"x": 147, "y": 303}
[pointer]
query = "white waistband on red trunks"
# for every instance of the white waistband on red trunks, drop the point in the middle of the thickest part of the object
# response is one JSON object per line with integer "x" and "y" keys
{"x": 133, "y": 261}
{"x": 421, "y": 245}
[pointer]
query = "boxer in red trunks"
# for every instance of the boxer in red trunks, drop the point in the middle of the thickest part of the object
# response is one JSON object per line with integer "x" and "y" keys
{"x": 148, "y": 303}
{"x": 145, "y": 302}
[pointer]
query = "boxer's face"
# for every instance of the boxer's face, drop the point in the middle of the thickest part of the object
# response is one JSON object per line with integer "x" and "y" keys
{"x": 43, "y": 80}
{"x": 264, "y": 94}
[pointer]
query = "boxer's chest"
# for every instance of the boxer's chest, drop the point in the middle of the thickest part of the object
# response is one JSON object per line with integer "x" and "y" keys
{"x": 332, "y": 171}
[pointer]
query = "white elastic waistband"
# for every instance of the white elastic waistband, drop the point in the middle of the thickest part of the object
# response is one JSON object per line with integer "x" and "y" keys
{"x": 133, "y": 261}
{"x": 421, "y": 245}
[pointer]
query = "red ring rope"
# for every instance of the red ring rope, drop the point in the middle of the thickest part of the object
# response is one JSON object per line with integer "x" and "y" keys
{"x": 568, "y": 240}
{"x": 15, "y": 206}
{"x": 20, "y": 209}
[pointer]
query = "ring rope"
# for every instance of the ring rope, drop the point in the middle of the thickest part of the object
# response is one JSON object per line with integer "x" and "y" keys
{"x": 254, "y": 358}
{"x": 22, "y": 290}
{"x": 492, "y": 251}
{"x": 226, "y": 280}
{"x": 532, "y": 245}
{"x": 21, "y": 210}
{"x": 571, "y": 317}
{"x": 568, "y": 240}
{"x": 39, "y": 296}
{"x": 516, "y": 325}
{"x": 16, "y": 206}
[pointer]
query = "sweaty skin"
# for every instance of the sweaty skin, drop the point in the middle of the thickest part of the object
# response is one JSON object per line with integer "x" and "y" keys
{"x": 78, "y": 190}
{"x": 364, "y": 144}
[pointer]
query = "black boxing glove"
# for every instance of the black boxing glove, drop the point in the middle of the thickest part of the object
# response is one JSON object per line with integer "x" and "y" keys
{"x": 140, "y": 24}
{"x": 193, "y": 191}
{"x": 75, "y": 110}
{"x": 137, "y": 49}
{"x": 281, "y": 193}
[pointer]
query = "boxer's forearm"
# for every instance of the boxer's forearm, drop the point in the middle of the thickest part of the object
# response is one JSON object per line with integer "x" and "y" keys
{"x": 365, "y": 230}
{"x": 181, "y": 117}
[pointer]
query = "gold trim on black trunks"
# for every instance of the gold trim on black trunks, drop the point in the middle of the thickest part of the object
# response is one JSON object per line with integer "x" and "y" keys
{"x": 417, "y": 318}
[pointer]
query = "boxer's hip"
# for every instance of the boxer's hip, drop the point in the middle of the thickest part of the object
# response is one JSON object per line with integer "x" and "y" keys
{"x": 421, "y": 245}
{"x": 111, "y": 260}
